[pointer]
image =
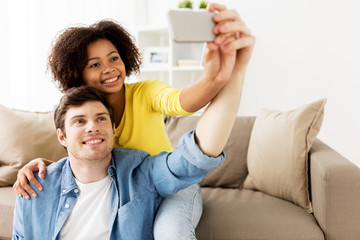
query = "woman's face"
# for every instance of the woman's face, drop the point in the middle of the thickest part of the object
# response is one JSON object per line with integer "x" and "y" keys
{"x": 105, "y": 69}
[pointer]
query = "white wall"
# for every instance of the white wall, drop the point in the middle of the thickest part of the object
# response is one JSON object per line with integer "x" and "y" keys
{"x": 305, "y": 50}
{"x": 27, "y": 29}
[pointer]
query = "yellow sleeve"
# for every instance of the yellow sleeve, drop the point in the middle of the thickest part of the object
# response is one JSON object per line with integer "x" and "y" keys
{"x": 164, "y": 98}
{"x": 142, "y": 124}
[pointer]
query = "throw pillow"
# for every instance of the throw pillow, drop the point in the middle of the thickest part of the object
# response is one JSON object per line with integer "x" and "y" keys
{"x": 278, "y": 152}
{"x": 232, "y": 172}
{"x": 25, "y": 136}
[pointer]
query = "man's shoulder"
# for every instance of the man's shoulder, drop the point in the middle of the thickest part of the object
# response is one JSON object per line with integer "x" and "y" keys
{"x": 53, "y": 171}
{"x": 129, "y": 158}
{"x": 50, "y": 184}
{"x": 56, "y": 166}
{"x": 129, "y": 153}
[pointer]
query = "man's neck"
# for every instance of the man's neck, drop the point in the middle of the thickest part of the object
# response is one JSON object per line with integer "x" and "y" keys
{"x": 88, "y": 171}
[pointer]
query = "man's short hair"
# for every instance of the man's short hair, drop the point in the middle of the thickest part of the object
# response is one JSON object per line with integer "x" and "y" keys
{"x": 77, "y": 96}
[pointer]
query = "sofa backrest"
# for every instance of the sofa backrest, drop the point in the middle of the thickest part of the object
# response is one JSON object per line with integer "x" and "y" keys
{"x": 233, "y": 171}
{"x": 24, "y": 136}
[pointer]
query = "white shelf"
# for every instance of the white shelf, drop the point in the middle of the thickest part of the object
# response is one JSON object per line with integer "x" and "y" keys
{"x": 152, "y": 38}
{"x": 187, "y": 68}
{"x": 152, "y": 29}
{"x": 154, "y": 69}
{"x": 174, "y": 69}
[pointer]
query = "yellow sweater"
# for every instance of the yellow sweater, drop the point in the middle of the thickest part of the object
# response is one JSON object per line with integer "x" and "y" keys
{"x": 142, "y": 124}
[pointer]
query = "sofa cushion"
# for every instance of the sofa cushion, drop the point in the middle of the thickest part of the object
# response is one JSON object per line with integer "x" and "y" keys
{"x": 247, "y": 214}
{"x": 7, "y": 205}
{"x": 232, "y": 172}
{"x": 25, "y": 136}
{"x": 278, "y": 152}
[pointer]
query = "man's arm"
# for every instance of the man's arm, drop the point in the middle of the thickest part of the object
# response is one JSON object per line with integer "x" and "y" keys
{"x": 195, "y": 96}
{"x": 214, "y": 127}
{"x": 191, "y": 160}
{"x": 215, "y": 124}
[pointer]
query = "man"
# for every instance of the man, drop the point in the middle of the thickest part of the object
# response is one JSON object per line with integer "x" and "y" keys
{"x": 98, "y": 192}
{"x": 102, "y": 191}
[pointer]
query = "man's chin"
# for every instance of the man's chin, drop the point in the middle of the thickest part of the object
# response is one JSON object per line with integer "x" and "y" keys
{"x": 93, "y": 156}
{"x": 98, "y": 157}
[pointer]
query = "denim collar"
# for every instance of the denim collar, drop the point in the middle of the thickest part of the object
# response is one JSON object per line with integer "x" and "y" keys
{"x": 112, "y": 167}
{"x": 68, "y": 180}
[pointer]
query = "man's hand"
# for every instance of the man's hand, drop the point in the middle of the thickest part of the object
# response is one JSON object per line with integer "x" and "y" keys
{"x": 21, "y": 186}
{"x": 225, "y": 58}
{"x": 231, "y": 49}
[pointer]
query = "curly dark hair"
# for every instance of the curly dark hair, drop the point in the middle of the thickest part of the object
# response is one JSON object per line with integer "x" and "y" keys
{"x": 68, "y": 56}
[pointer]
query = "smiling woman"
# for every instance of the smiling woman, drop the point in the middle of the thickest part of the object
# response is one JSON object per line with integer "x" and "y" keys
{"x": 103, "y": 56}
{"x": 27, "y": 29}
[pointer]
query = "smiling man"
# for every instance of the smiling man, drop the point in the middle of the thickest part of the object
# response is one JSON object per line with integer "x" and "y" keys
{"x": 101, "y": 192}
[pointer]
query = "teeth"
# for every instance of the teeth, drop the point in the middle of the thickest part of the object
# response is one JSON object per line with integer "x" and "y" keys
{"x": 110, "y": 80}
{"x": 93, "y": 141}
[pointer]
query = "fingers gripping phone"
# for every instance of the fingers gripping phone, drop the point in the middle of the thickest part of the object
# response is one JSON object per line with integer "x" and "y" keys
{"x": 191, "y": 26}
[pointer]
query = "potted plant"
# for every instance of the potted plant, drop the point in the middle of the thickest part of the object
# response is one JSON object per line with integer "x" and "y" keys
{"x": 186, "y": 4}
{"x": 203, "y": 5}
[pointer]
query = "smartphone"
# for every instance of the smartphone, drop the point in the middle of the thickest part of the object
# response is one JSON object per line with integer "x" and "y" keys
{"x": 188, "y": 25}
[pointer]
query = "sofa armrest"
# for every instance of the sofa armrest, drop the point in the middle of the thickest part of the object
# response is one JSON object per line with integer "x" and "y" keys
{"x": 335, "y": 191}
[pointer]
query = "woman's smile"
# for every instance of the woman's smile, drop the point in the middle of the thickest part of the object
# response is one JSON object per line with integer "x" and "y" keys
{"x": 110, "y": 81}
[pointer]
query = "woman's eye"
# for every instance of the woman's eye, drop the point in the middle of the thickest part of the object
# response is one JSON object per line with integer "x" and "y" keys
{"x": 114, "y": 58}
{"x": 94, "y": 65}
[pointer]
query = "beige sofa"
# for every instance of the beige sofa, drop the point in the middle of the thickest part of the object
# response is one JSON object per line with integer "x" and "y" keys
{"x": 232, "y": 212}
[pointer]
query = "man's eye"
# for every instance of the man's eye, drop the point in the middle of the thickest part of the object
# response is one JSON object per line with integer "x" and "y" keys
{"x": 94, "y": 65}
{"x": 102, "y": 119}
{"x": 79, "y": 121}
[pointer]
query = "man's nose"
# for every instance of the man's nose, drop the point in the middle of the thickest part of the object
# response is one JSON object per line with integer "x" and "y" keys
{"x": 92, "y": 126}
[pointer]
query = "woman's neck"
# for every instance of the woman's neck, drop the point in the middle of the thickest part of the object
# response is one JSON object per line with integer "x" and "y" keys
{"x": 117, "y": 102}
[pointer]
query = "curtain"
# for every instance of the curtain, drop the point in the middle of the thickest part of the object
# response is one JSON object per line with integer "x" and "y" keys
{"x": 27, "y": 29}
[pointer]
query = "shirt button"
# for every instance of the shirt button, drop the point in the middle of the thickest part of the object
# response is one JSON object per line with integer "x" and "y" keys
{"x": 76, "y": 190}
{"x": 67, "y": 205}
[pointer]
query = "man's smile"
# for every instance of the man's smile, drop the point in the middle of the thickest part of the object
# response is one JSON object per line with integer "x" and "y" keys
{"x": 93, "y": 141}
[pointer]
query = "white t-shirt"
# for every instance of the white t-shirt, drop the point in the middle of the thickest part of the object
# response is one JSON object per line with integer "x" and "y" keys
{"x": 89, "y": 218}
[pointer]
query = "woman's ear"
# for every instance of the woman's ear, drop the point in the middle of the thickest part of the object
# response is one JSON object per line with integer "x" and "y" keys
{"x": 61, "y": 137}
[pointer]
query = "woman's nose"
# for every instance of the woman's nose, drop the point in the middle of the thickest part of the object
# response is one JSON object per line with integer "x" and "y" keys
{"x": 107, "y": 68}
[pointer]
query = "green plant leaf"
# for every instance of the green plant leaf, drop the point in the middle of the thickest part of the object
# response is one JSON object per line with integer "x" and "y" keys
{"x": 185, "y": 4}
{"x": 203, "y": 4}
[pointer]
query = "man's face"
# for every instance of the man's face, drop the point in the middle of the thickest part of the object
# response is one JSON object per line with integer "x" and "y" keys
{"x": 89, "y": 132}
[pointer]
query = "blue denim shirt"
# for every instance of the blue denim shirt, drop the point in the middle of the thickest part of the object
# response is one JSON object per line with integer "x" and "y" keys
{"x": 139, "y": 183}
